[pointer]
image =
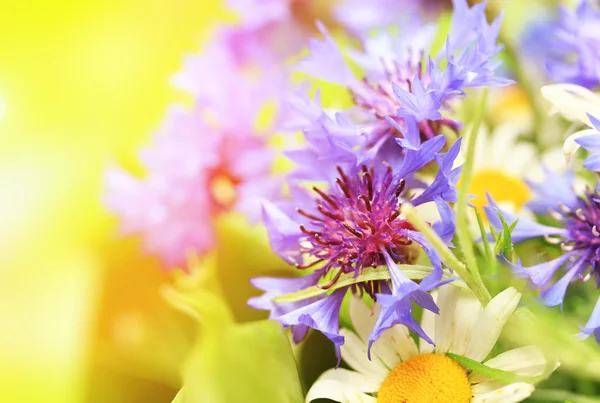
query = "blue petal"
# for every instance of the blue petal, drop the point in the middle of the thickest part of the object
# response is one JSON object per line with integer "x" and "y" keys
{"x": 592, "y": 163}
{"x": 322, "y": 315}
{"x": 555, "y": 295}
{"x": 444, "y": 185}
{"x": 434, "y": 279}
{"x": 284, "y": 233}
{"x": 401, "y": 284}
{"x": 446, "y": 227}
{"x": 553, "y": 190}
{"x": 539, "y": 274}
{"x": 411, "y": 136}
{"x": 395, "y": 312}
{"x": 416, "y": 159}
{"x": 590, "y": 142}
{"x": 525, "y": 229}
{"x": 593, "y": 324}
{"x": 595, "y": 122}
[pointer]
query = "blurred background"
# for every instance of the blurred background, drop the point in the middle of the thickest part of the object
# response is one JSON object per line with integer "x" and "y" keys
{"x": 83, "y": 84}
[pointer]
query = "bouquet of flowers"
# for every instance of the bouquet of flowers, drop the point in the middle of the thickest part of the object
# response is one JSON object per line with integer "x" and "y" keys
{"x": 381, "y": 201}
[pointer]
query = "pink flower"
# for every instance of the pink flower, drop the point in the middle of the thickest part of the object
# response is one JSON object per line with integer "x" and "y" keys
{"x": 204, "y": 161}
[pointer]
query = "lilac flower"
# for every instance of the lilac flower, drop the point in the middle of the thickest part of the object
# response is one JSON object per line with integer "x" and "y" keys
{"x": 578, "y": 235}
{"x": 352, "y": 224}
{"x": 396, "y": 84}
{"x": 570, "y": 46}
{"x": 204, "y": 161}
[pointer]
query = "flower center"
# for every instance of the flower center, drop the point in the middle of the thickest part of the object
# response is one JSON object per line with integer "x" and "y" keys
{"x": 222, "y": 189}
{"x": 426, "y": 378}
{"x": 583, "y": 225}
{"x": 502, "y": 187}
{"x": 354, "y": 223}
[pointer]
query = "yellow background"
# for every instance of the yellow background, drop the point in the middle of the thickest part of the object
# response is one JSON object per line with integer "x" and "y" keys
{"x": 83, "y": 84}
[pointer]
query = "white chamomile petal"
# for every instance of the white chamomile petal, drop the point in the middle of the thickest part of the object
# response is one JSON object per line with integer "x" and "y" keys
{"x": 385, "y": 348}
{"x": 405, "y": 346}
{"x": 523, "y": 361}
{"x": 496, "y": 392}
{"x": 573, "y": 101}
{"x": 466, "y": 313}
{"x": 444, "y": 322}
{"x": 490, "y": 322}
{"x": 362, "y": 317}
{"x": 428, "y": 326}
{"x": 343, "y": 386}
{"x": 570, "y": 146}
{"x": 354, "y": 351}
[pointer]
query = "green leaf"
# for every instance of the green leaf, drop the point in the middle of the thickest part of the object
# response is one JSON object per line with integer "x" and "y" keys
{"x": 498, "y": 374}
{"x": 414, "y": 272}
{"x": 250, "y": 363}
{"x": 234, "y": 362}
{"x": 484, "y": 237}
{"x": 558, "y": 395}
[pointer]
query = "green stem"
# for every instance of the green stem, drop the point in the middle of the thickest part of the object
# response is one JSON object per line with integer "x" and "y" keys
{"x": 446, "y": 255}
{"x": 557, "y": 395}
{"x": 462, "y": 226}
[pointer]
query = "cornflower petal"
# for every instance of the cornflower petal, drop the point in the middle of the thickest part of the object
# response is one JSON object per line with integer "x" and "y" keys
{"x": 593, "y": 324}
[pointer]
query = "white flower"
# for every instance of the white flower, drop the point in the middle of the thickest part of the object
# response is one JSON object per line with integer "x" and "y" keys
{"x": 501, "y": 164}
{"x": 575, "y": 103}
{"x": 401, "y": 371}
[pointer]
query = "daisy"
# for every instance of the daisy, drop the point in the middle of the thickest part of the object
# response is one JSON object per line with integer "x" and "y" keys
{"x": 580, "y": 105}
{"x": 504, "y": 165}
{"x": 402, "y": 371}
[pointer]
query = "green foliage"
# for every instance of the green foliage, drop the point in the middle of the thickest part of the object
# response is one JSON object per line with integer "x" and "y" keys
{"x": 503, "y": 239}
{"x": 233, "y": 362}
{"x": 498, "y": 374}
{"x": 413, "y": 272}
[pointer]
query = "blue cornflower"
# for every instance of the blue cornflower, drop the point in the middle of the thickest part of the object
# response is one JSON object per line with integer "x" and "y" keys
{"x": 578, "y": 235}
{"x": 591, "y": 142}
{"x": 350, "y": 223}
{"x": 402, "y": 78}
{"x": 570, "y": 46}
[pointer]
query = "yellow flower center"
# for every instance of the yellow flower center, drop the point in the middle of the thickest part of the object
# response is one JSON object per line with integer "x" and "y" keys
{"x": 502, "y": 187}
{"x": 426, "y": 378}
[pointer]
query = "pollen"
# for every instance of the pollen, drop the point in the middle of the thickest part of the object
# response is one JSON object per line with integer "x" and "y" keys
{"x": 426, "y": 378}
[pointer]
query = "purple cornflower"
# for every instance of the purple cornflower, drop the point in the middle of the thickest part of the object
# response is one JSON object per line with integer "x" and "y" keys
{"x": 351, "y": 224}
{"x": 577, "y": 234}
{"x": 570, "y": 46}
{"x": 402, "y": 79}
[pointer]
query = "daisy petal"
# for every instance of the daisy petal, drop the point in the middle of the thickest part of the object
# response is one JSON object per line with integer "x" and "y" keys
{"x": 343, "y": 385}
{"x": 523, "y": 361}
{"x": 363, "y": 318}
{"x": 447, "y": 299}
{"x": 512, "y": 393}
{"x": 394, "y": 346}
{"x": 468, "y": 309}
{"x": 354, "y": 352}
{"x": 428, "y": 326}
{"x": 490, "y": 323}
